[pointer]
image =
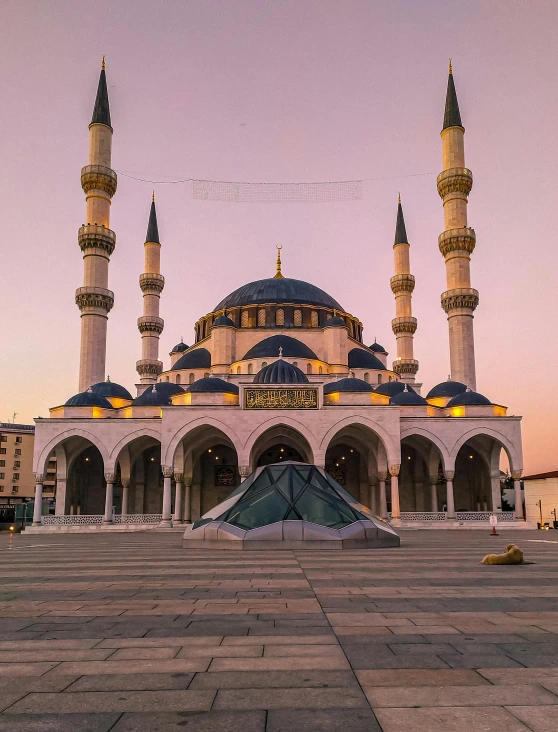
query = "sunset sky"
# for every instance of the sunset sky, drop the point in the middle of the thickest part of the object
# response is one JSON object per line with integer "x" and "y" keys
{"x": 282, "y": 91}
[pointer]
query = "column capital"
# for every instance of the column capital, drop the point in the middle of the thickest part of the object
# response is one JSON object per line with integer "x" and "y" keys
{"x": 516, "y": 474}
{"x": 168, "y": 472}
{"x": 244, "y": 471}
{"x": 382, "y": 475}
{"x": 109, "y": 477}
{"x": 39, "y": 477}
{"x": 433, "y": 479}
{"x": 179, "y": 477}
{"x": 449, "y": 474}
{"x": 394, "y": 470}
{"x": 187, "y": 480}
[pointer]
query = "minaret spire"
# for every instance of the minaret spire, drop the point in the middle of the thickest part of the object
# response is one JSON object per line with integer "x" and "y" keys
{"x": 402, "y": 286}
{"x": 457, "y": 242}
{"x": 97, "y": 242}
{"x": 278, "y": 275}
{"x": 152, "y": 282}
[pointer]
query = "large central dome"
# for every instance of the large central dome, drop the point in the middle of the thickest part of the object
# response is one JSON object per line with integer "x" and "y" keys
{"x": 278, "y": 290}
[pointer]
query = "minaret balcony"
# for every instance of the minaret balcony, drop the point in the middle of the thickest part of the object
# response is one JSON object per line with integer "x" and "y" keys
{"x": 457, "y": 240}
{"x": 462, "y": 298}
{"x": 147, "y": 367}
{"x": 455, "y": 180}
{"x": 92, "y": 237}
{"x": 151, "y": 283}
{"x": 150, "y": 325}
{"x": 402, "y": 283}
{"x": 405, "y": 324}
{"x": 98, "y": 178}
{"x": 406, "y": 366}
{"x": 91, "y": 300}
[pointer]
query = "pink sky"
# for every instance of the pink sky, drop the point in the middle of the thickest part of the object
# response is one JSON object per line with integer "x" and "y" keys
{"x": 289, "y": 90}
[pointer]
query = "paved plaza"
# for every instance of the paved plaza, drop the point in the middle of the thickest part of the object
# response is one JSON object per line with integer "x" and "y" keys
{"x": 128, "y": 632}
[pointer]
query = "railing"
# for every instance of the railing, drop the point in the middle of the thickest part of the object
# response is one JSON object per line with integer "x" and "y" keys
{"x": 422, "y": 516}
{"x": 138, "y": 518}
{"x": 84, "y": 520}
{"x": 459, "y": 516}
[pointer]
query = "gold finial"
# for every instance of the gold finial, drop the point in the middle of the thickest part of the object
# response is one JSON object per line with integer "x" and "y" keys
{"x": 103, "y": 64}
{"x": 153, "y": 197}
{"x": 278, "y": 274}
{"x": 398, "y": 198}
{"x": 450, "y": 69}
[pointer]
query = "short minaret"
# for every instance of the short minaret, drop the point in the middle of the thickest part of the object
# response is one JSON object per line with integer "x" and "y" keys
{"x": 457, "y": 242}
{"x": 402, "y": 286}
{"x": 150, "y": 325}
{"x": 97, "y": 242}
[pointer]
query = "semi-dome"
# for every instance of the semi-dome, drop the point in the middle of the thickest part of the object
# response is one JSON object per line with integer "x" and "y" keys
{"x": 269, "y": 347}
{"x": 280, "y": 372}
{"x": 348, "y": 384}
{"x": 223, "y": 320}
{"x": 408, "y": 398}
{"x": 180, "y": 347}
{"x": 469, "y": 399}
{"x": 361, "y": 359}
{"x": 200, "y": 358}
{"x": 447, "y": 388}
{"x": 109, "y": 389}
{"x": 377, "y": 348}
{"x": 158, "y": 395}
{"x": 335, "y": 321}
{"x": 212, "y": 384}
{"x": 391, "y": 388}
{"x": 278, "y": 290}
{"x": 88, "y": 399}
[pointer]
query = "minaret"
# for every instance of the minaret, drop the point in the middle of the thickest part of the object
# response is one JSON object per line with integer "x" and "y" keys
{"x": 402, "y": 286}
{"x": 457, "y": 242}
{"x": 150, "y": 325}
{"x": 97, "y": 242}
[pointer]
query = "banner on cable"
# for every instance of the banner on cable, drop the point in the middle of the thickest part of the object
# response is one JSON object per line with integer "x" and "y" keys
{"x": 231, "y": 192}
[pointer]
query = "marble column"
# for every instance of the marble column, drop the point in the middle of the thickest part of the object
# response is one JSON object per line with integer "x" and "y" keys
{"x": 60, "y": 503}
{"x": 125, "y": 490}
{"x": 244, "y": 471}
{"x": 495, "y": 490}
{"x": 448, "y": 475}
{"x": 516, "y": 475}
{"x": 38, "y": 508}
{"x": 187, "y": 499}
{"x": 108, "y": 517}
{"x": 433, "y": 494}
{"x": 382, "y": 475}
{"x": 179, "y": 482}
{"x": 395, "y": 507}
{"x": 166, "y": 518}
{"x": 372, "y": 490}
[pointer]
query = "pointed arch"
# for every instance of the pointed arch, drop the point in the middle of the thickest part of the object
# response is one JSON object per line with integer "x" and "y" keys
{"x": 393, "y": 449}
{"x": 40, "y": 460}
{"x": 168, "y": 449}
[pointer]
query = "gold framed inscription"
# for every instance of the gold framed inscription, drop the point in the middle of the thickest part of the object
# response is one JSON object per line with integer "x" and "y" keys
{"x": 280, "y": 399}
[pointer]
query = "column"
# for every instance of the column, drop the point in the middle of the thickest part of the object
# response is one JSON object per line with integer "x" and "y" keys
{"x": 244, "y": 471}
{"x": 179, "y": 480}
{"x": 38, "y": 508}
{"x": 125, "y": 491}
{"x": 372, "y": 489}
{"x": 108, "y": 517}
{"x": 60, "y": 502}
{"x": 395, "y": 508}
{"x": 496, "y": 492}
{"x": 448, "y": 475}
{"x": 382, "y": 475}
{"x": 434, "y": 493}
{"x": 516, "y": 475}
{"x": 166, "y": 519}
{"x": 187, "y": 499}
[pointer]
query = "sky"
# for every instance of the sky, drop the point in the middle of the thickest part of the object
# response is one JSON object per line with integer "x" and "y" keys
{"x": 282, "y": 91}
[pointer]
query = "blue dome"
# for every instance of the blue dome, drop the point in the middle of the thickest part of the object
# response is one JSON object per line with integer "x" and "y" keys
{"x": 269, "y": 347}
{"x": 348, "y": 384}
{"x": 158, "y": 395}
{"x": 212, "y": 384}
{"x": 280, "y": 372}
{"x": 408, "y": 399}
{"x": 335, "y": 320}
{"x": 180, "y": 347}
{"x": 377, "y": 348}
{"x": 361, "y": 359}
{"x": 110, "y": 389}
{"x": 200, "y": 358}
{"x": 281, "y": 290}
{"x": 391, "y": 388}
{"x": 469, "y": 399}
{"x": 88, "y": 399}
{"x": 447, "y": 388}
{"x": 222, "y": 320}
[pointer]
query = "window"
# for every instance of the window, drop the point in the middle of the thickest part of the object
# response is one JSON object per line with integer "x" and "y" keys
{"x": 19, "y": 439}
{"x": 168, "y": 378}
{"x": 264, "y": 364}
{"x": 16, "y": 476}
{"x": 206, "y": 376}
{"x": 18, "y": 451}
{"x": 238, "y": 369}
{"x": 3, "y": 438}
{"x": 191, "y": 378}
{"x": 244, "y": 319}
{"x": 15, "y": 489}
{"x": 178, "y": 378}
{"x": 250, "y": 368}
{"x": 280, "y": 317}
{"x": 314, "y": 319}
{"x": 295, "y": 364}
{"x": 17, "y": 464}
{"x": 2, "y": 476}
{"x": 297, "y": 318}
{"x": 2, "y": 450}
{"x": 2, "y": 463}
{"x": 389, "y": 378}
{"x": 367, "y": 377}
{"x": 379, "y": 378}
{"x": 1, "y": 489}
{"x": 261, "y": 316}
{"x": 320, "y": 370}
{"x": 308, "y": 368}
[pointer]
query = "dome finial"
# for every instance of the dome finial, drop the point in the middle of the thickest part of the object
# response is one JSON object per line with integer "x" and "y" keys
{"x": 399, "y": 198}
{"x": 278, "y": 274}
{"x": 153, "y": 197}
{"x": 103, "y": 64}
{"x": 450, "y": 70}
{"x": 406, "y": 388}
{"x": 108, "y": 379}
{"x": 280, "y": 352}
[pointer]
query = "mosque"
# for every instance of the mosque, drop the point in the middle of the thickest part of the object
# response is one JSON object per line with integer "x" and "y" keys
{"x": 278, "y": 371}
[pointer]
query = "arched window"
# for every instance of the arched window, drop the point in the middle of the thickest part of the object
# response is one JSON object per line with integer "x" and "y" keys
{"x": 206, "y": 376}
{"x": 250, "y": 368}
{"x": 314, "y": 319}
{"x": 238, "y": 369}
{"x": 280, "y": 317}
{"x": 389, "y": 378}
{"x": 168, "y": 378}
{"x": 244, "y": 319}
{"x": 295, "y": 364}
{"x": 264, "y": 364}
{"x": 191, "y": 378}
{"x": 261, "y": 316}
{"x": 178, "y": 378}
{"x": 367, "y": 377}
{"x": 297, "y": 318}
{"x": 308, "y": 368}
{"x": 320, "y": 370}
{"x": 379, "y": 378}
{"x": 352, "y": 374}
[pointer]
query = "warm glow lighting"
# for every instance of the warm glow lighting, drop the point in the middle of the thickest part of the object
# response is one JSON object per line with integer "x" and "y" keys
{"x": 86, "y": 460}
{"x": 152, "y": 460}
{"x": 470, "y": 457}
{"x": 216, "y": 457}
{"x": 282, "y": 449}
{"x": 352, "y": 449}
{"x": 457, "y": 411}
{"x": 337, "y": 464}
{"x": 209, "y": 450}
{"x": 409, "y": 457}
{"x": 12, "y": 528}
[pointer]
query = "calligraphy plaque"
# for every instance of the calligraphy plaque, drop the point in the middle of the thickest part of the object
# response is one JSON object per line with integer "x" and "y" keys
{"x": 280, "y": 399}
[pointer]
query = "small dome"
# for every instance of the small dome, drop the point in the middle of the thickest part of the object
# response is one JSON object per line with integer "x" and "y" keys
{"x": 391, "y": 388}
{"x": 88, "y": 399}
{"x": 180, "y": 347}
{"x": 408, "y": 398}
{"x": 348, "y": 384}
{"x": 109, "y": 389}
{"x": 377, "y": 348}
{"x": 157, "y": 395}
{"x": 223, "y": 320}
{"x": 469, "y": 399}
{"x": 212, "y": 384}
{"x": 361, "y": 359}
{"x": 447, "y": 388}
{"x": 200, "y": 358}
{"x": 280, "y": 372}
{"x": 335, "y": 320}
{"x": 290, "y": 348}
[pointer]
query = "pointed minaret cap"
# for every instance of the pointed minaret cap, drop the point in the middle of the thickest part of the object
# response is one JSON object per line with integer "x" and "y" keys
{"x": 101, "y": 111}
{"x": 400, "y": 231}
{"x": 152, "y": 235}
{"x": 278, "y": 274}
{"x": 452, "y": 117}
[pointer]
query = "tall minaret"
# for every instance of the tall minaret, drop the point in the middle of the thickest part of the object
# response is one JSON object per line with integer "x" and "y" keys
{"x": 97, "y": 242}
{"x": 402, "y": 286}
{"x": 457, "y": 243}
{"x": 150, "y": 325}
